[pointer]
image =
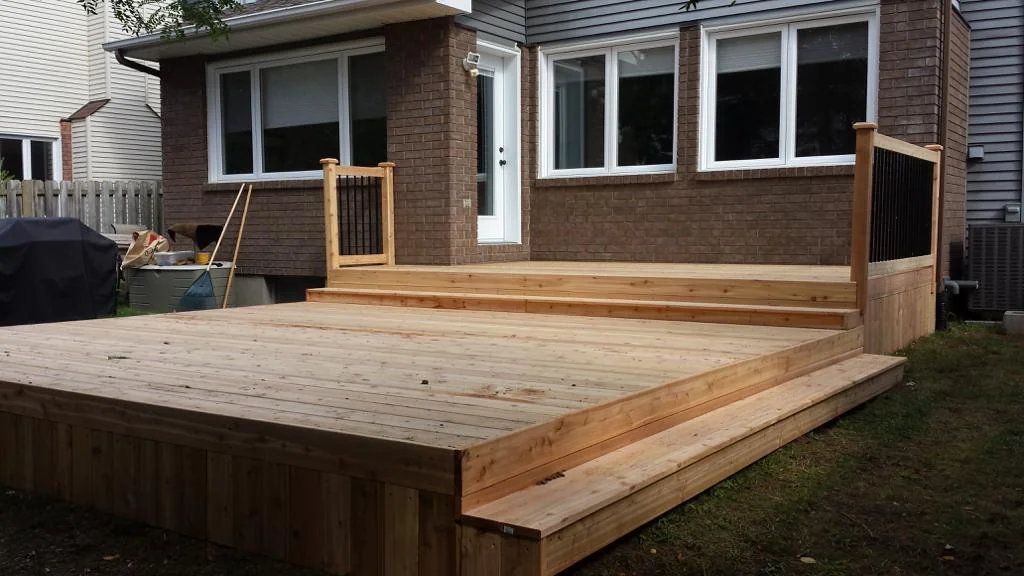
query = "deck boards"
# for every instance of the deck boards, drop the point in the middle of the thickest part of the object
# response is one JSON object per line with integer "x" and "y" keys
{"x": 361, "y": 369}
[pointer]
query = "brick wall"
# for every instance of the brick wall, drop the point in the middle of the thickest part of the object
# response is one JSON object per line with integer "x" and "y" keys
{"x": 794, "y": 216}
{"x": 910, "y": 70}
{"x": 66, "y": 168}
{"x": 955, "y": 156}
{"x": 430, "y": 113}
{"x": 284, "y": 231}
{"x": 771, "y": 216}
{"x": 768, "y": 216}
{"x": 432, "y": 132}
{"x": 422, "y": 138}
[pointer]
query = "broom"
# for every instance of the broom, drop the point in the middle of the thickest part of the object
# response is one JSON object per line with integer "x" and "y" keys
{"x": 199, "y": 295}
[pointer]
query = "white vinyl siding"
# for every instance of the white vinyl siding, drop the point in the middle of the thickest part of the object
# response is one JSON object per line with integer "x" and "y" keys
{"x": 549, "y": 21}
{"x": 98, "y": 65}
{"x": 53, "y": 64}
{"x": 996, "y": 106}
{"x": 44, "y": 76}
{"x": 124, "y": 139}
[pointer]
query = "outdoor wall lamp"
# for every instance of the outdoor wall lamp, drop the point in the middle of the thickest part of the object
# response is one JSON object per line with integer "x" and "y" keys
{"x": 472, "y": 64}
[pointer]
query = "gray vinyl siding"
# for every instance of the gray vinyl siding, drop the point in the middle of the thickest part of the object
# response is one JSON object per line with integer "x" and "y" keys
{"x": 552, "y": 21}
{"x": 498, "y": 19}
{"x": 997, "y": 105}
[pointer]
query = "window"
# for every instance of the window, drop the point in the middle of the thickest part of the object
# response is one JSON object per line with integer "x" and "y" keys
{"x": 787, "y": 94}
{"x": 277, "y": 118}
{"x": 28, "y": 158}
{"x": 610, "y": 109}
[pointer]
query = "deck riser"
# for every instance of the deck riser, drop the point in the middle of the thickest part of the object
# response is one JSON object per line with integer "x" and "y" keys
{"x": 830, "y": 319}
{"x": 328, "y": 521}
{"x": 792, "y": 293}
{"x": 508, "y": 555}
{"x": 497, "y": 468}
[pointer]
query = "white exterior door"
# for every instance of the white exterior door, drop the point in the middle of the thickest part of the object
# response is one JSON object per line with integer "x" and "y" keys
{"x": 497, "y": 178}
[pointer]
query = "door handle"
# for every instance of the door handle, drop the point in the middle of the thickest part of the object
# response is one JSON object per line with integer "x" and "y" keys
{"x": 502, "y": 162}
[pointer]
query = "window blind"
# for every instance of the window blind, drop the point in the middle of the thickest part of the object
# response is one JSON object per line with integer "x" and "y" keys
{"x": 744, "y": 53}
{"x": 300, "y": 94}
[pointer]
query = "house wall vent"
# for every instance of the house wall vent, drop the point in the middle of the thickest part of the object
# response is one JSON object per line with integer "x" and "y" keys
{"x": 996, "y": 260}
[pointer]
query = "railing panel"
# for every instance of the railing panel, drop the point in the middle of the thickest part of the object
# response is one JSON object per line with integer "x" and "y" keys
{"x": 901, "y": 209}
{"x": 894, "y": 247}
{"x": 358, "y": 214}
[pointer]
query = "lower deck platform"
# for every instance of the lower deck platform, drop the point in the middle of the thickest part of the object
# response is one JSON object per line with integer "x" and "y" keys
{"x": 386, "y": 440}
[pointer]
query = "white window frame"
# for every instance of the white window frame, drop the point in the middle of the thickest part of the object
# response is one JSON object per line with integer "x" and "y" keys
{"x": 609, "y": 49}
{"x": 340, "y": 52}
{"x": 787, "y": 113}
{"x": 26, "y": 155}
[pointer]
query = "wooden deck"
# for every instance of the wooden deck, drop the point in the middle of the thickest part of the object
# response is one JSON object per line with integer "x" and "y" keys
{"x": 436, "y": 378}
{"x": 365, "y": 440}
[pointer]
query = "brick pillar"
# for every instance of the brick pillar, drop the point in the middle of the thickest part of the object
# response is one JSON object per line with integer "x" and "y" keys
{"x": 183, "y": 119}
{"x": 910, "y": 75}
{"x": 66, "y": 168}
{"x": 431, "y": 138}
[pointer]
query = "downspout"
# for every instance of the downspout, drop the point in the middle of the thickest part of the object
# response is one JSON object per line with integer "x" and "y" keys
{"x": 119, "y": 55}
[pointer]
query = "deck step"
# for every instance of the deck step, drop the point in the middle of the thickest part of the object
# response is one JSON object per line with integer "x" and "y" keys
{"x": 637, "y": 282}
{"x": 722, "y": 313}
{"x": 579, "y": 511}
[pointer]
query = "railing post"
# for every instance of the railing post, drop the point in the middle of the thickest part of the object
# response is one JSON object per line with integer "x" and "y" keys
{"x": 936, "y": 197}
{"x": 331, "y": 212}
{"x": 860, "y": 242}
{"x": 387, "y": 204}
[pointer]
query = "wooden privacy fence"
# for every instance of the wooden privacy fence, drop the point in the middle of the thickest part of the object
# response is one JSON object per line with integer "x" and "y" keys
{"x": 96, "y": 203}
{"x": 359, "y": 215}
{"x": 895, "y": 240}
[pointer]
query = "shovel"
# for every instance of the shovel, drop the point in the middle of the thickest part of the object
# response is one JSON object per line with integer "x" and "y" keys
{"x": 199, "y": 295}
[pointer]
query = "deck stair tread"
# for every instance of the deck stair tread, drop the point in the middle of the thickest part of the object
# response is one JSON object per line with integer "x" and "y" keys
{"x": 732, "y": 312}
{"x": 805, "y": 286}
{"x": 543, "y": 509}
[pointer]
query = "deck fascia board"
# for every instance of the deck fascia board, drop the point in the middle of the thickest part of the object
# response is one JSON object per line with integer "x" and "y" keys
{"x": 417, "y": 466}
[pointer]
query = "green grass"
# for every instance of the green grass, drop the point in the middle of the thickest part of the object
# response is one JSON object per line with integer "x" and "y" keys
{"x": 937, "y": 462}
{"x": 124, "y": 310}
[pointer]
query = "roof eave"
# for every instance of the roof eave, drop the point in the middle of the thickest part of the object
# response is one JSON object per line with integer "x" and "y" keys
{"x": 149, "y": 47}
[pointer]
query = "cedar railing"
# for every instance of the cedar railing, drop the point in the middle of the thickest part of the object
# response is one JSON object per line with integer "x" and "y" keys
{"x": 359, "y": 214}
{"x": 894, "y": 248}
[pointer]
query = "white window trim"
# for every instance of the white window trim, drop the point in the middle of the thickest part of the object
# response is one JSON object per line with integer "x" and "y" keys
{"x": 340, "y": 52}
{"x": 787, "y": 112}
{"x": 26, "y": 155}
{"x": 608, "y": 48}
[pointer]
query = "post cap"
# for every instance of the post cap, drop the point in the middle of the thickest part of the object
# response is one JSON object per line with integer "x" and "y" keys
{"x": 935, "y": 147}
{"x": 326, "y": 161}
{"x": 865, "y": 126}
{"x": 386, "y": 165}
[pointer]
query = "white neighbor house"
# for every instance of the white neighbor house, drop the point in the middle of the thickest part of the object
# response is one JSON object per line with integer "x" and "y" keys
{"x": 68, "y": 110}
